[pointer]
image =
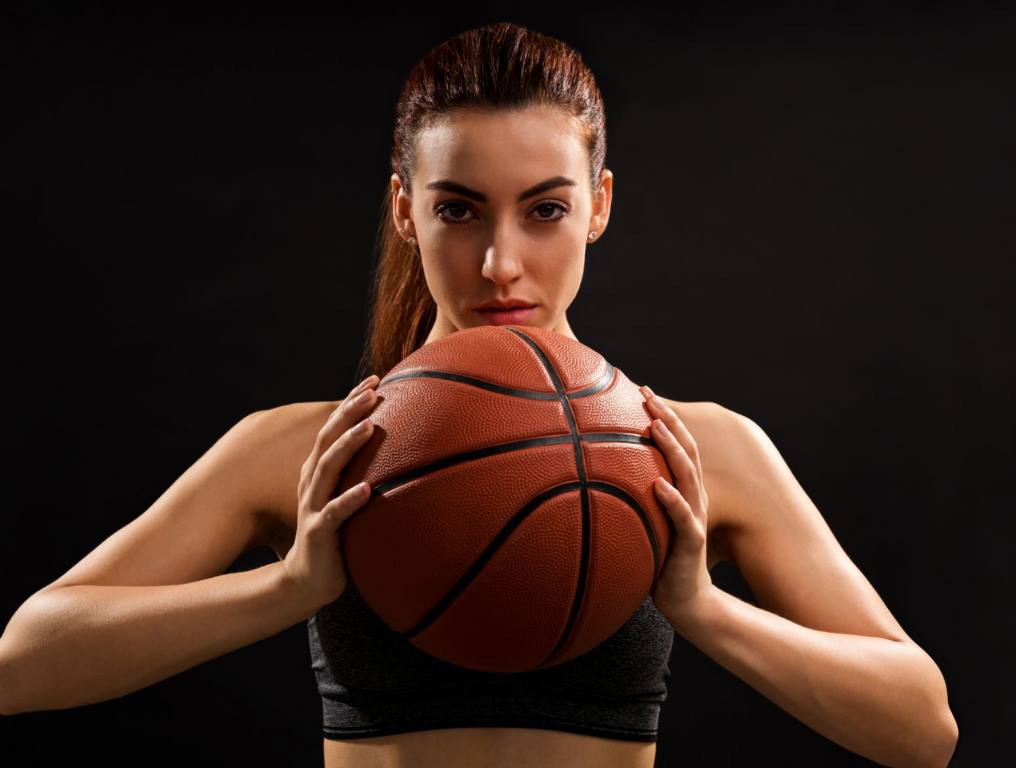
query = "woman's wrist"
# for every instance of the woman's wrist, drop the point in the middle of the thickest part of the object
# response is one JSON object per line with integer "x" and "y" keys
{"x": 292, "y": 594}
{"x": 696, "y": 614}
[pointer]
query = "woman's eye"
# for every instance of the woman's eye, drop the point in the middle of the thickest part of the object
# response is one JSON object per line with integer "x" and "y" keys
{"x": 456, "y": 218}
{"x": 449, "y": 206}
{"x": 552, "y": 207}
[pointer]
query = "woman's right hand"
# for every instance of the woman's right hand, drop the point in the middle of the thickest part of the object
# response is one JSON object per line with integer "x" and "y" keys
{"x": 314, "y": 561}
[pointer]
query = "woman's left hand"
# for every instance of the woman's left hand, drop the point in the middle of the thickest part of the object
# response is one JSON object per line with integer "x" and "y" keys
{"x": 685, "y": 579}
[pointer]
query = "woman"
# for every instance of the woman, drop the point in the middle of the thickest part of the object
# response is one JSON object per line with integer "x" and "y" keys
{"x": 498, "y": 185}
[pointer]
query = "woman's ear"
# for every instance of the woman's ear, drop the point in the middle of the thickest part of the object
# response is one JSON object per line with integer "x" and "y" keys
{"x": 601, "y": 203}
{"x": 402, "y": 208}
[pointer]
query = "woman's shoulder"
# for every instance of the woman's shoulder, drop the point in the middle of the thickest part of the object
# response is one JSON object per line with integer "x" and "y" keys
{"x": 712, "y": 426}
{"x": 295, "y": 416}
{"x": 293, "y": 427}
{"x": 704, "y": 414}
{"x": 717, "y": 431}
{"x": 286, "y": 435}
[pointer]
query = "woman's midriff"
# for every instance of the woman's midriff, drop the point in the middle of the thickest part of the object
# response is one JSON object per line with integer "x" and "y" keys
{"x": 483, "y": 747}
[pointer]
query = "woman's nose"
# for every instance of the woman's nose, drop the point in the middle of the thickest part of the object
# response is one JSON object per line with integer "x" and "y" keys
{"x": 501, "y": 264}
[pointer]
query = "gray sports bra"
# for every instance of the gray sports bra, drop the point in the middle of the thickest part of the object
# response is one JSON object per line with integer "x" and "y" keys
{"x": 373, "y": 682}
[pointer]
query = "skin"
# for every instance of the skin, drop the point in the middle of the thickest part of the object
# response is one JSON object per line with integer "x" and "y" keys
{"x": 821, "y": 644}
{"x": 473, "y": 252}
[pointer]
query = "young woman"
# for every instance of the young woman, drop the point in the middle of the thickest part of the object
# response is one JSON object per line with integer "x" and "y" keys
{"x": 498, "y": 186}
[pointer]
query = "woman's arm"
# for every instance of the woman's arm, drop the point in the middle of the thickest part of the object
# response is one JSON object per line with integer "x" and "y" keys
{"x": 152, "y": 599}
{"x": 76, "y": 645}
{"x": 823, "y": 646}
{"x": 883, "y": 699}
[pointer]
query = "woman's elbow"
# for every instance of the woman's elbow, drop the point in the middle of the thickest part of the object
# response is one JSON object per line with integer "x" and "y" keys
{"x": 951, "y": 736}
{"x": 938, "y": 746}
{"x": 6, "y": 682}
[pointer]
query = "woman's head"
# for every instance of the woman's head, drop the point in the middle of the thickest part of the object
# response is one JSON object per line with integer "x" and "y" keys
{"x": 494, "y": 111}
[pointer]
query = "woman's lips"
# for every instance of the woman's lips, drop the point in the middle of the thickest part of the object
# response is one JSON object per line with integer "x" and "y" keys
{"x": 518, "y": 315}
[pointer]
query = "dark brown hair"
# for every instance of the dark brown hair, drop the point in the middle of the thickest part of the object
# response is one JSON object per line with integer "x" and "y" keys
{"x": 496, "y": 66}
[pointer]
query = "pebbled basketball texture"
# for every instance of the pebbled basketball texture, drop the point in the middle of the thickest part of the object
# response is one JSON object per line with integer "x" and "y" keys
{"x": 512, "y": 524}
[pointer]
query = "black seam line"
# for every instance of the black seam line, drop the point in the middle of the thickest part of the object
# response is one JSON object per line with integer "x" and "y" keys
{"x": 505, "y": 533}
{"x": 592, "y": 389}
{"x": 582, "y": 485}
{"x": 580, "y": 469}
{"x": 516, "y": 445}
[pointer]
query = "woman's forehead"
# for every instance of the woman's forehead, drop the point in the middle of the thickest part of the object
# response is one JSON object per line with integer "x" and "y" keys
{"x": 510, "y": 149}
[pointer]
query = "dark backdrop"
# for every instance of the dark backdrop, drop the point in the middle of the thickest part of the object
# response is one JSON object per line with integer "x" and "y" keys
{"x": 812, "y": 226}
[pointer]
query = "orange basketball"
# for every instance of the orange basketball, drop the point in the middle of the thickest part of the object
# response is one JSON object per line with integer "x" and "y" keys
{"x": 513, "y": 524}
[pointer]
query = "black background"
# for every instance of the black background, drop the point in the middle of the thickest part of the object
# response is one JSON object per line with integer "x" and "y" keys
{"x": 812, "y": 225}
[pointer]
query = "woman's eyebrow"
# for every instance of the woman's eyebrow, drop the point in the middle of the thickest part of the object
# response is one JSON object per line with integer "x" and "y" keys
{"x": 453, "y": 186}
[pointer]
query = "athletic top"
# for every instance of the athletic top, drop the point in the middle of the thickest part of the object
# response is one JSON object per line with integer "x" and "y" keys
{"x": 373, "y": 682}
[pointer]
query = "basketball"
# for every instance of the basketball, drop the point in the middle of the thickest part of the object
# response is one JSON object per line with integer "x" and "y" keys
{"x": 512, "y": 524}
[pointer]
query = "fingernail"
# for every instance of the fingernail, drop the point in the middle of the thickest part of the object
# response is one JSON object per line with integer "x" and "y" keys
{"x": 649, "y": 392}
{"x": 360, "y": 428}
{"x": 363, "y": 397}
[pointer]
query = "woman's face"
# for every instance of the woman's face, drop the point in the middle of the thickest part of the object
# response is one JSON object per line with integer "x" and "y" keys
{"x": 478, "y": 241}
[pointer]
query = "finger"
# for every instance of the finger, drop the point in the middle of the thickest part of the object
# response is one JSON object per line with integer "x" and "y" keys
{"x": 343, "y": 417}
{"x": 681, "y": 465}
{"x": 677, "y": 427}
{"x": 368, "y": 382}
{"x": 663, "y": 411}
{"x": 691, "y": 449}
{"x": 351, "y": 410}
{"x": 336, "y": 511}
{"x": 325, "y": 437}
{"x": 680, "y": 512}
{"x": 683, "y": 435}
{"x": 333, "y": 461}
{"x": 347, "y": 404}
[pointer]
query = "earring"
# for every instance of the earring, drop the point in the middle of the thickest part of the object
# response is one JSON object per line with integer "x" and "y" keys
{"x": 592, "y": 234}
{"x": 412, "y": 241}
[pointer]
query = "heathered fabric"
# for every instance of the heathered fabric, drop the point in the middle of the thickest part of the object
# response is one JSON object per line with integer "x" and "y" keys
{"x": 373, "y": 682}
